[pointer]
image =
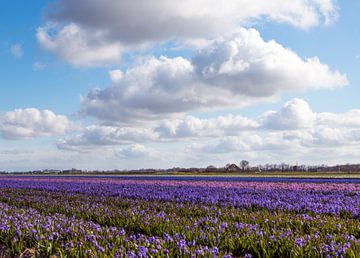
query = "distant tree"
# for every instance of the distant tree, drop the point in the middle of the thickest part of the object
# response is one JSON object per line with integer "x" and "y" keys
{"x": 244, "y": 164}
{"x": 211, "y": 168}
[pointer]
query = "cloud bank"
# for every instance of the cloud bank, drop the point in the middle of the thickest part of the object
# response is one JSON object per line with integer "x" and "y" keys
{"x": 230, "y": 73}
{"x": 294, "y": 126}
{"x": 95, "y": 33}
{"x": 31, "y": 123}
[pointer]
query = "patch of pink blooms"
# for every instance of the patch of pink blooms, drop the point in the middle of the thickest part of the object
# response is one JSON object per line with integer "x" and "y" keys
{"x": 199, "y": 183}
{"x": 257, "y": 185}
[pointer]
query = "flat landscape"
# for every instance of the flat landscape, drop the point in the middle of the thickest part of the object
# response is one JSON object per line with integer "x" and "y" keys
{"x": 152, "y": 216}
{"x": 190, "y": 129}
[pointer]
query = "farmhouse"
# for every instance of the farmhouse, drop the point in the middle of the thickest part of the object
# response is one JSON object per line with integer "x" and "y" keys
{"x": 232, "y": 168}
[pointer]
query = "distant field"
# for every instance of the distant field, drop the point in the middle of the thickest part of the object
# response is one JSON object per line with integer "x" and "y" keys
{"x": 231, "y": 174}
{"x": 245, "y": 175}
{"x": 280, "y": 174}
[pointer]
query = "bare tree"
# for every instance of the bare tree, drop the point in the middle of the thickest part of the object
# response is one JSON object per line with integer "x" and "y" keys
{"x": 244, "y": 164}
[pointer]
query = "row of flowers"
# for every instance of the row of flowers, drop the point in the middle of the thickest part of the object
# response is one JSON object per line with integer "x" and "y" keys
{"x": 89, "y": 217}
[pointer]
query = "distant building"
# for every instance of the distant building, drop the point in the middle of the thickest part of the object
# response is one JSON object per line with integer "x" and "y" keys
{"x": 232, "y": 168}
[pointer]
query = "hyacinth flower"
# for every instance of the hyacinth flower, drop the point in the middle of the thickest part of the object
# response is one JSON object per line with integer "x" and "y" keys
{"x": 117, "y": 217}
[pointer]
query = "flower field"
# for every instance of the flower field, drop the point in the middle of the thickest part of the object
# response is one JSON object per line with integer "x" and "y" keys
{"x": 178, "y": 217}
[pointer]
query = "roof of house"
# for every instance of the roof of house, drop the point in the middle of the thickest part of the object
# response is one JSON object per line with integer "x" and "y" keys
{"x": 233, "y": 167}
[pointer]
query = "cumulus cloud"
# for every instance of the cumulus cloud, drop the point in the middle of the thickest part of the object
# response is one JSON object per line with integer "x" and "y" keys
{"x": 276, "y": 147}
{"x": 232, "y": 72}
{"x": 134, "y": 21}
{"x": 248, "y": 65}
{"x": 295, "y": 114}
{"x": 304, "y": 142}
{"x": 294, "y": 132}
{"x": 78, "y": 46}
{"x": 300, "y": 125}
{"x": 295, "y": 119}
{"x": 151, "y": 90}
{"x": 349, "y": 119}
{"x": 17, "y": 50}
{"x": 93, "y": 33}
{"x": 31, "y": 122}
{"x": 136, "y": 151}
{"x": 106, "y": 135}
{"x": 164, "y": 131}
{"x": 325, "y": 137}
{"x": 194, "y": 127}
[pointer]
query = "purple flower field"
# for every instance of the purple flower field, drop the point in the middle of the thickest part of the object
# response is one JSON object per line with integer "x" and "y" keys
{"x": 187, "y": 217}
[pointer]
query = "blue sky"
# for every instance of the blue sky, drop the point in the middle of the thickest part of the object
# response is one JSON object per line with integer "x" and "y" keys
{"x": 188, "y": 84}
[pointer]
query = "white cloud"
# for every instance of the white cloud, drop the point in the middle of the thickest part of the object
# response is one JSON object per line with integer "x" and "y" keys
{"x": 349, "y": 119}
{"x": 234, "y": 72}
{"x": 17, "y": 50}
{"x": 78, "y": 46}
{"x": 295, "y": 114}
{"x": 116, "y": 75}
{"x": 272, "y": 148}
{"x": 136, "y": 151}
{"x": 152, "y": 90}
{"x": 94, "y": 33}
{"x": 194, "y": 127}
{"x": 133, "y": 21}
{"x": 106, "y": 135}
{"x": 293, "y": 133}
{"x": 38, "y": 66}
{"x": 328, "y": 9}
{"x": 295, "y": 123}
{"x": 325, "y": 137}
{"x": 248, "y": 65}
{"x": 31, "y": 122}
{"x": 164, "y": 131}
{"x": 305, "y": 144}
